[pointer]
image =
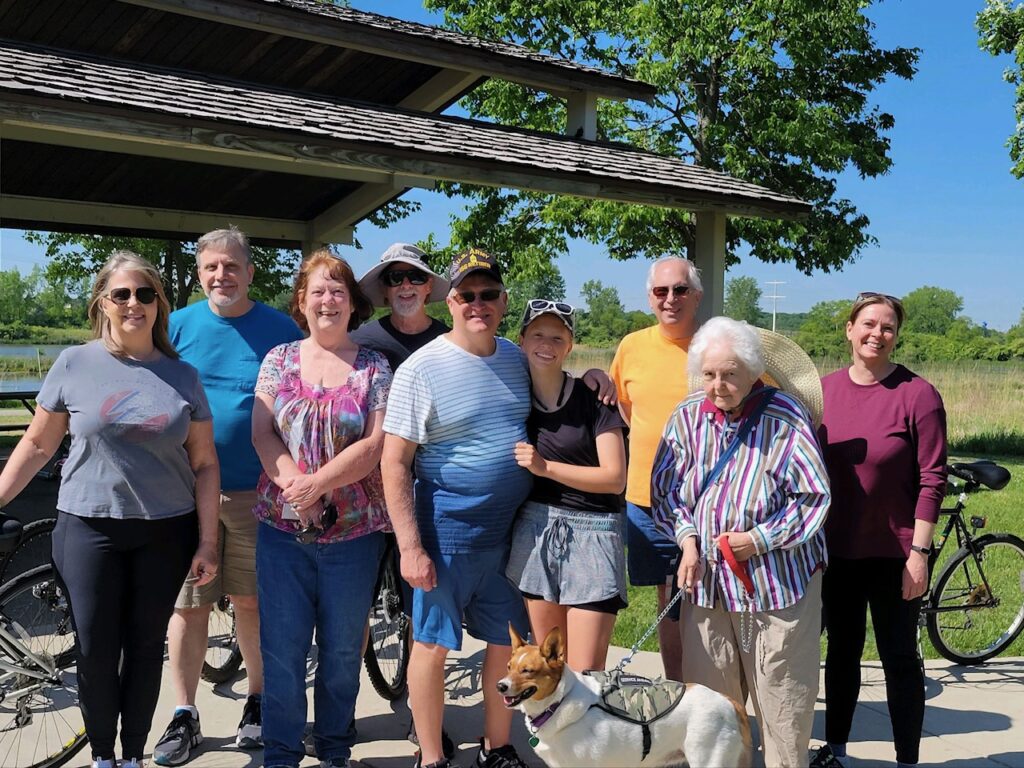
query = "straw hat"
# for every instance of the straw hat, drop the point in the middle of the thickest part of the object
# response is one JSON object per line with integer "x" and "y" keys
{"x": 400, "y": 253}
{"x": 787, "y": 367}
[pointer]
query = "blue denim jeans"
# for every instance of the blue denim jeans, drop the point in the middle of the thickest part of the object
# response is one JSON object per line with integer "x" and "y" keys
{"x": 305, "y": 587}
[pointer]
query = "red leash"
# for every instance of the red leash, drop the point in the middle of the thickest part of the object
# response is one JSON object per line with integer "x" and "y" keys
{"x": 740, "y": 569}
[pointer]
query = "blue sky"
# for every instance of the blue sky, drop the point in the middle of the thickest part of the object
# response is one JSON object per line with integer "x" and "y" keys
{"x": 948, "y": 214}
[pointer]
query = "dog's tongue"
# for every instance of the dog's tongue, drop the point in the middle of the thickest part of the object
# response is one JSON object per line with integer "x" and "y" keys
{"x": 509, "y": 700}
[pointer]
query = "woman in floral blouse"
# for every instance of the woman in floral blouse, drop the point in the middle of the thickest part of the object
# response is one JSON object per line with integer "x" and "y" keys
{"x": 317, "y": 429}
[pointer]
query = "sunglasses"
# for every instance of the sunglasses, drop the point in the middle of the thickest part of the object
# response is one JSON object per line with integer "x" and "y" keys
{"x": 468, "y": 297}
{"x": 545, "y": 305}
{"x": 867, "y": 295}
{"x": 395, "y": 277}
{"x": 312, "y": 532}
{"x": 661, "y": 291}
{"x": 145, "y": 295}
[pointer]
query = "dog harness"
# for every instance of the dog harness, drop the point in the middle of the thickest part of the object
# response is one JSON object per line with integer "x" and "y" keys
{"x": 638, "y": 700}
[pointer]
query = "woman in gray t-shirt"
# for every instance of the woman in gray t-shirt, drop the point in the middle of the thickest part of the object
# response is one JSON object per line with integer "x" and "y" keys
{"x": 138, "y": 496}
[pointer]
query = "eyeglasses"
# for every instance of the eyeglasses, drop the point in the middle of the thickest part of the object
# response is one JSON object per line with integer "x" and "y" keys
{"x": 468, "y": 297}
{"x": 144, "y": 294}
{"x": 661, "y": 291}
{"x": 395, "y": 277}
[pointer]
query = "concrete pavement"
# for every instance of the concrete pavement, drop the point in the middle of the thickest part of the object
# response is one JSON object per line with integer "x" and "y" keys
{"x": 974, "y": 717}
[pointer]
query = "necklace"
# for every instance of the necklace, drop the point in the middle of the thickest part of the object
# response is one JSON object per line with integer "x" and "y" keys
{"x": 561, "y": 396}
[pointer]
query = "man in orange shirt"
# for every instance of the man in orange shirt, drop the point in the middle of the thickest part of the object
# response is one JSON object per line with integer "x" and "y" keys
{"x": 649, "y": 371}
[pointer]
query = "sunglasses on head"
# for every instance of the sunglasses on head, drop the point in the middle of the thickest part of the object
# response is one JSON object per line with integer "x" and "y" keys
{"x": 395, "y": 277}
{"x": 145, "y": 295}
{"x": 468, "y": 297}
{"x": 867, "y": 295}
{"x": 661, "y": 291}
{"x": 545, "y": 305}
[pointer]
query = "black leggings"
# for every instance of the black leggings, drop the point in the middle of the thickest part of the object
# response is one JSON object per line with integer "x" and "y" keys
{"x": 121, "y": 578}
{"x": 850, "y": 586}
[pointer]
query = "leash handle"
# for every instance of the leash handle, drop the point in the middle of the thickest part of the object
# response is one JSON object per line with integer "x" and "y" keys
{"x": 740, "y": 569}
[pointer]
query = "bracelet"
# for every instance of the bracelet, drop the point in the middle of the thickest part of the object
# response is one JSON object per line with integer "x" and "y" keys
{"x": 926, "y": 551}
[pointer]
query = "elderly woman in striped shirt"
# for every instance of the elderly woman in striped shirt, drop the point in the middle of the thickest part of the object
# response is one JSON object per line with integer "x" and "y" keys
{"x": 740, "y": 482}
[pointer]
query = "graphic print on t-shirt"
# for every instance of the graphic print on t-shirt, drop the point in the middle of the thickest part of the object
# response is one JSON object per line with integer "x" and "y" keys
{"x": 134, "y": 415}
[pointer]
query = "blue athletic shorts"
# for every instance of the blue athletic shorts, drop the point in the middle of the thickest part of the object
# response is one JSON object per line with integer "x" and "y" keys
{"x": 650, "y": 554}
{"x": 471, "y": 587}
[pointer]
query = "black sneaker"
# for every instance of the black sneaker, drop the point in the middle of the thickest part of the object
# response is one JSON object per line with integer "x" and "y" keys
{"x": 250, "y": 727}
{"x": 824, "y": 758}
{"x": 182, "y": 735}
{"x": 444, "y": 762}
{"x": 499, "y": 757}
{"x": 447, "y": 745}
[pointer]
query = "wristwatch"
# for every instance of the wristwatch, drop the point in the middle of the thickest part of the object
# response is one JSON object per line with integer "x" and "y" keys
{"x": 926, "y": 551}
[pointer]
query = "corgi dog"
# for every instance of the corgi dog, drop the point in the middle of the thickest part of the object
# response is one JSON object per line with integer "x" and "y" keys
{"x": 570, "y": 728}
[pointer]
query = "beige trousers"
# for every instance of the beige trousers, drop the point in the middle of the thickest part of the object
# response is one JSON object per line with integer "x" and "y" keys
{"x": 780, "y": 672}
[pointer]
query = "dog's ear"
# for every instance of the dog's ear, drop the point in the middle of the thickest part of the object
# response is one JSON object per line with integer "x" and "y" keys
{"x": 553, "y": 648}
{"x": 517, "y": 641}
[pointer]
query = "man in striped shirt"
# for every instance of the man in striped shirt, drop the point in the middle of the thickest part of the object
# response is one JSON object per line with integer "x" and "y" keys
{"x": 457, "y": 408}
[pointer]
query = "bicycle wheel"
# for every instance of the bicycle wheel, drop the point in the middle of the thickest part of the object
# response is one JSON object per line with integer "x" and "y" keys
{"x": 387, "y": 652}
{"x": 223, "y": 658}
{"x": 41, "y": 725}
{"x": 32, "y": 551}
{"x": 988, "y": 596}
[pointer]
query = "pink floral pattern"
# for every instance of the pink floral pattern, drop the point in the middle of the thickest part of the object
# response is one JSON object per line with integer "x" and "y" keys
{"x": 316, "y": 423}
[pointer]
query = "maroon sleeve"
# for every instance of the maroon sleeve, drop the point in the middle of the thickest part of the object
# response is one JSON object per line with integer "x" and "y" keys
{"x": 928, "y": 429}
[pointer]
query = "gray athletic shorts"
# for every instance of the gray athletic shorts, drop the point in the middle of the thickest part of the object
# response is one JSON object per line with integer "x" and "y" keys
{"x": 568, "y": 557}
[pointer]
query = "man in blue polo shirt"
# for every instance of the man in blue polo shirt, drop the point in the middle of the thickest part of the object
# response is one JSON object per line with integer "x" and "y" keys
{"x": 226, "y": 338}
{"x": 457, "y": 408}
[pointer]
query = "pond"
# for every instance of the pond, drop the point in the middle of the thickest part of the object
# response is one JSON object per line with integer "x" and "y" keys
{"x": 29, "y": 350}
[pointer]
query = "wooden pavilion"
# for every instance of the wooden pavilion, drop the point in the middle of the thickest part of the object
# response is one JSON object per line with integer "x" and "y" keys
{"x": 295, "y": 120}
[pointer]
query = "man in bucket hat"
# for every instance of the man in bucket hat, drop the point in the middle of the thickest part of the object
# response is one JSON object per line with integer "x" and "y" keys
{"x": 403, "y": 281}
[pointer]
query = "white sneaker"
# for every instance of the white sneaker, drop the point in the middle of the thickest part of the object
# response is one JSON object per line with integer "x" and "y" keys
{"x": 133, "y": 763}
{"x": 97, "y": 763}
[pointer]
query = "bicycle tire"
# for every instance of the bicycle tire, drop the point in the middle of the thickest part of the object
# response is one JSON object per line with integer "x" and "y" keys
{"x": 33, "y": 549}
{"x": 223, "y": 657}
{"x": 387, "y": 650}
{"x": 992, "y": 616}
{"x": 46, "y": 721}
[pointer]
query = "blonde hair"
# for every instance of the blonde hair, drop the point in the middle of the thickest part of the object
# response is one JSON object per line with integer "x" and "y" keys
{"x": 132, "y": 262}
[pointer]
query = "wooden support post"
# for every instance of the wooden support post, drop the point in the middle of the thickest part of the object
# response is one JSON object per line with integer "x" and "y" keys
{"x": 581, "y": 115}
{"x": 710, "y": 260}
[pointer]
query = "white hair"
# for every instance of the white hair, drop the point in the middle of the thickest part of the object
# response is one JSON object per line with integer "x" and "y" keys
{"x": 737, "y": 336}
{"x": 692, "y": 273}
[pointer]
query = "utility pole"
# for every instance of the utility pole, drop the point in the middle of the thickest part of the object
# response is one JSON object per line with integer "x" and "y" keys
{"x": 775, "y": 298}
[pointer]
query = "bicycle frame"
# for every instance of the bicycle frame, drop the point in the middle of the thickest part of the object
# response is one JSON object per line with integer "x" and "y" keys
{"x": 12, "y": 646}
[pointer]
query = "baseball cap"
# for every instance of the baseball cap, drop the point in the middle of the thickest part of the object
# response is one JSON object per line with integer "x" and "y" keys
{"x": 474, "y": 261}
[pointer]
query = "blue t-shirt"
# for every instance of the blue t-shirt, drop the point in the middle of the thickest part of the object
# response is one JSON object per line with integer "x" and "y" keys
{"x": 227, "y": 352}
{"x": 466, "y": 413}
{"x": 128, "y": 421}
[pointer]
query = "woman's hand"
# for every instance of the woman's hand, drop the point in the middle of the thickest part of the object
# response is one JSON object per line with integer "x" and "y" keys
{"x": 310, "y": 515}
{"x": 302, "y": 490}
{"x": 742, "y": 545}
{"x": 529, "y": 458}
{"x": 691, "y": 566}
{"x": 204, "y": 563}
{"x": 915, "y": 576}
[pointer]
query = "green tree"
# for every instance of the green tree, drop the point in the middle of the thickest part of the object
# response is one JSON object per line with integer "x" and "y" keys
{"x": 15, "y": 297}
{"x": 74, "y": 257}
{"x": 604, "y": 321}
{"x": 743, "y": 300}
{"x": 823, "y": 333}
{"x": 772, "y": 91}
{"x": 1001, "y": 31}
{"x": 544, "y": 282}
{"x": 931, "y": 310}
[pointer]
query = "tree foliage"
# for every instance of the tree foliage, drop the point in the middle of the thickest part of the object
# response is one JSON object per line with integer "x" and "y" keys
{"x": 1001, "y": 31}
{"x": 773, "y": 91}
{"x": 743, "y": 300}
{"x": 79, "y": 257}
{"x": 931, "y": 310}
{"x": 604, "y": 321}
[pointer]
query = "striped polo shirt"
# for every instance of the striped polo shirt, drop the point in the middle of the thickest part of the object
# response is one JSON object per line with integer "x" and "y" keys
{"x": 466, "y": 413}
{"x": 775, "y": 485}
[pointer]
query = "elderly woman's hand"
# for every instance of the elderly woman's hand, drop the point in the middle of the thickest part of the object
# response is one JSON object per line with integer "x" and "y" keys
{"x": 742, "y": 545}
{"x": 691, "y": 566}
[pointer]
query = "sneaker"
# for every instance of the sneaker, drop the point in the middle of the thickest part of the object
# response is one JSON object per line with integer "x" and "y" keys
{"x": 135, "y": 762}
{"x": 447, "y": 745}
{"x": 250, "y": 727}
{"x": 499, "y": 757}
{"x": 337, "y": 762}
{"x": 175, "y": 746}
{"x": 101, "y": 763}
{"x": 823, "y": 757}
{"x": 444, "y": 762}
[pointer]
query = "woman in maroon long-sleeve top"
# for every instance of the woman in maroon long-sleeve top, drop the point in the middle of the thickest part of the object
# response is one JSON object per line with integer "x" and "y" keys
{"x": 884, "y": 440}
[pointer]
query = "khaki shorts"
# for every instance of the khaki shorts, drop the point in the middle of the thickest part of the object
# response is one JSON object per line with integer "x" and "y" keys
{"x": 237, "y": 572}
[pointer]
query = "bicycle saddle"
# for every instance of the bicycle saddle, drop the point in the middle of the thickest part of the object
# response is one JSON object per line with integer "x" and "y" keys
{"x": 10, "y": 533}
{"x": 986, "y": 473}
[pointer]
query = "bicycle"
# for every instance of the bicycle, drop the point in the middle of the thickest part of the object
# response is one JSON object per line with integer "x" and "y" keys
{"x": 975, "y": 609}
{"x": 386, "y": 657}
{"x": 223, "y": 657}
{"x": 41, "y": 725}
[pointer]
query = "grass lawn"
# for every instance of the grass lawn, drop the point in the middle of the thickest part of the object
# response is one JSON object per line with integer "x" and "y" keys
{"x": 1001, "y": 508}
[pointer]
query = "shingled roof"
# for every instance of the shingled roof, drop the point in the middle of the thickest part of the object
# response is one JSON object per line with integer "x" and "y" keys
{"x": 409, "y": 143}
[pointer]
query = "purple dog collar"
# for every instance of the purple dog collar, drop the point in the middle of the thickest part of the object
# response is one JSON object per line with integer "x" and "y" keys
{"x": 536, "y": 723}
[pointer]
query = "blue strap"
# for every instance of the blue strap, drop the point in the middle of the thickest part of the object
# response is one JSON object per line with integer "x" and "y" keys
{"x": 741, "y": 434}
